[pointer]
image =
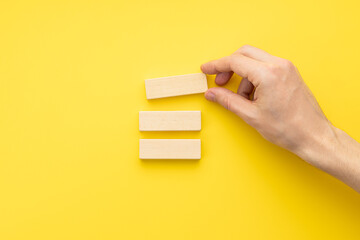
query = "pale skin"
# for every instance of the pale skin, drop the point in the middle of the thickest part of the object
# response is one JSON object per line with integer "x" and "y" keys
{"x": 273, "y": 98}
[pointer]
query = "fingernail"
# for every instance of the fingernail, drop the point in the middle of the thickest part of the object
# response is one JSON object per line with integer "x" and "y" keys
{"x": 210, "y": 96}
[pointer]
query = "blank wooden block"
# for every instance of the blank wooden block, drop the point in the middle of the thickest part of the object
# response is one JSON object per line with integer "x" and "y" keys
{"x": 170, "y": 120}
{"x": 170, "y": 149}
{"x": 175, "y": 85}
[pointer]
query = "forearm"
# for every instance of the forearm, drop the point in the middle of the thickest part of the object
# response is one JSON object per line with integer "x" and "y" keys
{"x": 336, "y": 153}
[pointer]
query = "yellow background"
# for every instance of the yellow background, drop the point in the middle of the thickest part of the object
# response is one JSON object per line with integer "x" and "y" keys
{"x": 71, "y": 86}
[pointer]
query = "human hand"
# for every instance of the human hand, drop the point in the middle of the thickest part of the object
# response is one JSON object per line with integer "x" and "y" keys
{"x": 272, "y": 98}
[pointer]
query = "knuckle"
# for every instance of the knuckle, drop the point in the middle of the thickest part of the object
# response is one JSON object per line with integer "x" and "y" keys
{"x": 280, "y": 68}
{"x": 286, "y": 64}
{"x": 274, "y": 69}
{"x": 233, "y": 61}
{"x": 271, "y": 74}
{"x": 245, "y": 48}
{"x": 228, "y": 102}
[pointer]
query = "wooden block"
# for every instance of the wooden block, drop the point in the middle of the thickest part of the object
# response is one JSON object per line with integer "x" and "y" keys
{"x": 175, "y": 85}
{"x": 170, "y": 120}
{"x": 170, "y": 149}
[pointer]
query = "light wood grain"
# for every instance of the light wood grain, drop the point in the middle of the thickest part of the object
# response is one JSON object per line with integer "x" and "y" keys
{"x": 175, "y": 85}
{"x": 170, "y": 149}
{"x": 169, "y": 120}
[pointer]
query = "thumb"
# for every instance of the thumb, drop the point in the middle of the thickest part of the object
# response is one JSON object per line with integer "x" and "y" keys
{"x": 237, "y": 104}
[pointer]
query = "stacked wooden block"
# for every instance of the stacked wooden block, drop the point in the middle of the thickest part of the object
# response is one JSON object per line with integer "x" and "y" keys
{"x": 172, "y": 120}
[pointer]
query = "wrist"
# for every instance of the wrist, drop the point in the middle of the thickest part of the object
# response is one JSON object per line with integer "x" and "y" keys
{"x": 335, "y": 152}
{"x": 320, "y": 147}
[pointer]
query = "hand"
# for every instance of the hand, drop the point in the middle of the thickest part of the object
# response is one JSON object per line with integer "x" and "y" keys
{"x": 273, "y": 98}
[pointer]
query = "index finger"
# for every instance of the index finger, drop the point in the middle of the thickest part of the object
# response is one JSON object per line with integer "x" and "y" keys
{"x": 243, "y": 66}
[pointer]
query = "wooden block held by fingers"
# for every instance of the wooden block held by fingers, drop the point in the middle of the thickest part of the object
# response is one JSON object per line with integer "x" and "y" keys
{"x": 169, "y": 120}
{"x": 170, "y": 149}
{"x": 175, "y": 85}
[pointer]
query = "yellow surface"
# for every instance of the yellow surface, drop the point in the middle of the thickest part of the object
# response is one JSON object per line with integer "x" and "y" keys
{"x": 71, "y": 86}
